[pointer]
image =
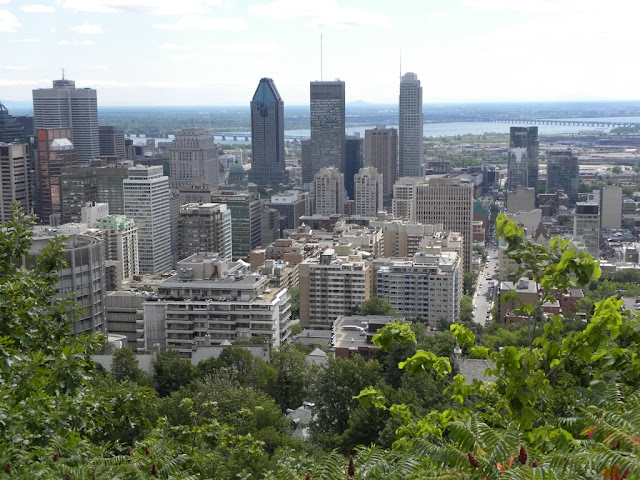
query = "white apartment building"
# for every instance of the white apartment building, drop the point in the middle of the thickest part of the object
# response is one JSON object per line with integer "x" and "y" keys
{"x": 121, "y": 243}
{"x": 212, "y": 299}
{"x": 410, "y": 134}
{"x": 332, "y": 284}
{"x": 146, "y": 200}
{"x": 428, "y": 287}
{"x": 328, "y": 192}
{"x": 368, "y": 183}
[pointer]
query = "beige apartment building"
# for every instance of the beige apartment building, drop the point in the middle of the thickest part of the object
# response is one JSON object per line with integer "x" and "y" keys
{"x": 369, "y": 191}
{"x": 381, "y": 152}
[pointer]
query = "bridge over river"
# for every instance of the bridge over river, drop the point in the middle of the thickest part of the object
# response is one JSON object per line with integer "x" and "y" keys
{"x": 574, "y": 122}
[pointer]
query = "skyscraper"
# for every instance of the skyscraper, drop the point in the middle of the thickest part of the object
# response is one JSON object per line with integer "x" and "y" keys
{"x": 193, "y": 157}
{"x": 410, "y": 123}
{"x": 328, "y": 191}
{"x": 267, "y": 135}
{"x": 55, "y": 151}
{"x": 146, "y": 200}
{"x": 381, "y": 152}
{"x": 65, "y": 106}
{"x": 369, "y": 191}
{"x": 563, "y": 173}
{"x": 111, "y": 142}
{"x": 327, "y": 110}
{"x": 517, "y": 168}
{"x": 354, "y": 151}
{"x": 10, "y": 130}
{"x": 14, "y": 178}
{"x": 527, "y": 138}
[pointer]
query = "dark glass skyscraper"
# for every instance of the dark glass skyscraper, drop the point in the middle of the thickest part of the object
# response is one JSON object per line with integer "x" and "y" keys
{"x": 10, "y": 130}
{"x": 327, "y": 126}
{"x": 527, "y": 137}
{"x": 563, "y": 173}
{"x": 267, "y": 135}
{"x": 354, "y": 162}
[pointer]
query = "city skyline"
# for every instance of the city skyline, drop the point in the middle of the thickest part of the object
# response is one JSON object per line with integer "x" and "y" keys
{"x": 212, "y": 52}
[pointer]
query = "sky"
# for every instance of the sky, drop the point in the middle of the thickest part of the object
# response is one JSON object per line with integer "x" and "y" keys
{"x": 214, "y": 52}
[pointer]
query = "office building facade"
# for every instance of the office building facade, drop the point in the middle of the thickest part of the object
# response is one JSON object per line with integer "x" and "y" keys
{"x": 563, "y": 173}
{"x": 327, "y": 111}
{"x": 381, "y": 152}
{"x": 246, "y": 220}
{"x": 611, "y": 207}
{"x": 193, "y": 158}
{"x": 369, "y": 192}
{"x": 120, "y": 236}
{"x": 204, "y": 227}
{"x": 328, "y": 193}
{"x": 586, "y": 226}
{"x": 527, "y": 138}
{"x": 354, "y": 161}
{"x": 111, "y": 142}
{"x": 14, "y": 179}
{"x": 411, "y": 122}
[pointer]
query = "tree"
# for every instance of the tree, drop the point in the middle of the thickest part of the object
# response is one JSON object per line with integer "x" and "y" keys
{"x": 294, "y": 293}
{"x": 125, "y": 367}
{"x": 376, "y": 306}
{"x": 170, "y": 372}
{"x": 469, "y": 281}
{"x": 291, "y": 376}
{"x": 466, "y": 309}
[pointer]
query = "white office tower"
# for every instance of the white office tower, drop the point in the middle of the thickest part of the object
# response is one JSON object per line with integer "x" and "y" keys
{"x": 428, "y": 287}
{"x": 328, "y": 192}
{"x": 368, "y": 192}
{"x": 64, "y": 105}
{"x": 194, "y": 158}
{"x": 410, "y": 130}
{"x": 611, "y": 207}
{"x": 146, "y": 200}
{"x": 14, "y": 175}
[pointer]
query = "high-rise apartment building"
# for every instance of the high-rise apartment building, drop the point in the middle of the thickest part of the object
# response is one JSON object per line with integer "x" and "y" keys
{"x": 527, "y": 138}
{"x": 111, "y": 142}
{"x": 332, "y": 284}
{"x": 327, "y": 108}
{"x": 563, "y": 173}
{"x": 450, "y": 202}
{"x": 193, "y": 158}
{"x": 204, "y": 227}
{"x": 146, "y": 200}
{"x": 327, "y": 192}
{"x": 404, "y": 198}
{"x": 246, "y": 227}
{"x": 410, "y": 127}
{"x": 120, "y": 236}
{"x": 586, "y": 226}
{"x": 267, "y": 135}
{"x": 428, "y": 287}
{"x": 65, "y": 106}
{"x": 611, "y": 207}
{"x": 381, "y": 152}
{"x": 55, "y": 151}
{"x": 14, "y": 178}
{"x": 369, "y": 192}
{"x": 354, "y": 153}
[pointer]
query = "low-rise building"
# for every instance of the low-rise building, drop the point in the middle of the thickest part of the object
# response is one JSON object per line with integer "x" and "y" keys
{"x": 351, "y": 335}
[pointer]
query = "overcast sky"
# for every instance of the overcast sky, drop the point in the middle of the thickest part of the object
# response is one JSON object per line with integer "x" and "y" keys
{"x": 213, "y": 52}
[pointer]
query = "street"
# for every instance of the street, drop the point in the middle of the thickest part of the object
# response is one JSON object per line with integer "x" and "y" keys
{"x": 486, "y": 288}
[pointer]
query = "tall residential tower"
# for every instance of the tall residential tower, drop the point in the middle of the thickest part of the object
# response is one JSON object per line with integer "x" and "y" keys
{"x": 410, "y": 123}
{"x": 267, "y": 135}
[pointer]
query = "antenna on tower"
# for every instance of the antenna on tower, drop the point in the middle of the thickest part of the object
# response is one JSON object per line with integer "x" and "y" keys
{"x": 63, "y": 74}
{"x": 321, "y": 79}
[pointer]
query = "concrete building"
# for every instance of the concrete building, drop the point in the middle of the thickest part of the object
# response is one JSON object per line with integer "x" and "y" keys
{"x": 448, "y": 201}
{"x": 267, "y": 135}
{"x": 327, "y": 193}
{"x": 246, "y": 220}
{"x": 125, "y": 316}
{"x": 611, "y": 207}
{"x": 193, "y": 158}
{"x": 381, "y": 152}
{"x": 269, "y": 225}
{"x": 411, "y": 122}
{"x": 521, "y": 199}
{"x": 563, "y": 173}
{"x": 55, "y": 151}
{"x": 527, "y": 293}
{"x": 120, "y": 236}
{"x": 369, "y": 191}
{"x": 292, "y": 205}
{"x": 10, "y": 129}
{"x": 529, "y": 220}
{"x": 527, "y": 138}
{"x": 83, "y": 277}
{"x": 65, "y": 106}
{"x": 428, "y": 287}
{"x": 212, "y": 299}
{"x": 111, "y": 142}
{"x": 354, "y": 153}
{"x": 146, "y": 200}
{"x": 404, "y": 198}
{"x": 204, "y": 227}
{"x": 91, "y": 212}
{"x": 586, "y": 226}
{"x": 14, "y": 178}
{"x": 402, "y": 239}
{"x": 517, "y": 169}
{"x": 327, "y": 110}
{"x": 332, "y": 284}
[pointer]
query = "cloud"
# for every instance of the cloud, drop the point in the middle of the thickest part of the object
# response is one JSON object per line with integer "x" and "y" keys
{"x": 174, "y": 46}
{"x": 25, "y": 40}
{"x": 38, "y": 8}
{"x": 88, "y": 29}
{"x": 144, "y": 7}
{"x": 5, "y": 82}
{"x": 8, "y": 22}
{"x": 205, "y": 23}
{"x": 76, "y": 43}
{"x": 12, "y": 67}
{"x": 321, "y": 14}
{"x": 98, "y": 67}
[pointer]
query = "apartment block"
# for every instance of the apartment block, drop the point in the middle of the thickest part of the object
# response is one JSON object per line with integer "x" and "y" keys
{"x": 327, "y": 192}
{"x": 204, "y": 227}
{"x": 369, "y": 192}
